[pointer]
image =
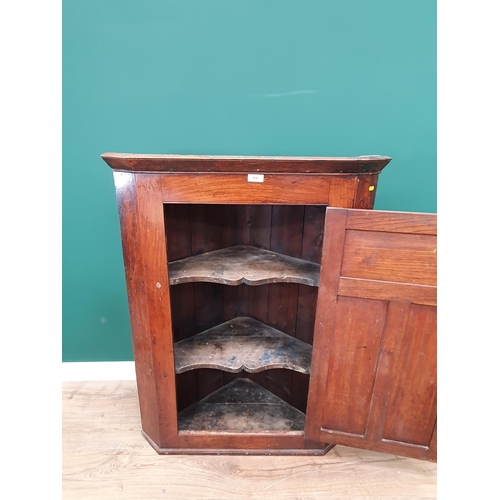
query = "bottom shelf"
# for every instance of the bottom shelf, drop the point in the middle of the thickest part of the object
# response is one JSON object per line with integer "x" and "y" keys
{"x": 242, "y": 406}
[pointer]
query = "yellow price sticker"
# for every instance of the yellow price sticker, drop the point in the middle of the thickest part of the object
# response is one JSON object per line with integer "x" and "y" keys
{"x": 371, "y": 188}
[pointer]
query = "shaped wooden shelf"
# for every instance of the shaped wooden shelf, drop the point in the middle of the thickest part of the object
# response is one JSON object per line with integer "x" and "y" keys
{"x": 242, "y": 406}
{"x": 242, "y": 344}
{"x": 243, "y": 264}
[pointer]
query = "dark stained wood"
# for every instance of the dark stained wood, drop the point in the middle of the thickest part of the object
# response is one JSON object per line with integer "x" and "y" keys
{"x": 395, "y": 322}
{"x": 264, "y": 443}
{"x": 178, "y": 233}
{"x": 186, "y": 389}
{"x": 260, "y": 226}
{"x": 134, "y": 265}
{"x": 206, "y": 228}
{"x": 208, "y": 313}
{"x": 404, "y": 450}
{"x": 269, "y": 443}
{"x": 206, "y": 236}
{"x": 342, "y": 191}
{"x": 392, "y": 222}
{"x": 243, "y": 264}
{"x": 241, "y": 407}
{"x": 371, "y": 322}
{"x": 287, "y": 189}
{"x": 365, "y": 191}
{"x": 286, "y": 237}
{"x": 312, "y": 245}
{"x": 331, "y": 261}
{"x": 177, "y": 220}
{"x": 144, "y": 249}
{"x": 242, "y": 344}
{"x": 260, "y": 237}
{"x": 411, "y": 408}
{"x": 391, "y": 257}
{"x": 355, "y": 346}
{"x": 380, "y": 389}
{"x": 388, "y": 290}
{"x": 233, "y": 300}
{"x": 192, "y": 163}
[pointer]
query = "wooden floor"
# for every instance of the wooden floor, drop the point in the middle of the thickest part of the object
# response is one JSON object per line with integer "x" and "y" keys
{"x": 105, "y": 457}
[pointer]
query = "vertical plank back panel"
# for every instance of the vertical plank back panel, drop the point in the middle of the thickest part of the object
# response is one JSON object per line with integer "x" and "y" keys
{"x": 206, "y": 235}
{"x": 286, "y": 237}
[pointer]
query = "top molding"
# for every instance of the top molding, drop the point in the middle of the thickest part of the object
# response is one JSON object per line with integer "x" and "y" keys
{"x": 228, "y": 164}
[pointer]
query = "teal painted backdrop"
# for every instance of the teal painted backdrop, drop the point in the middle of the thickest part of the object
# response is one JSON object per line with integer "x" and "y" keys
{"x": 245, "y": 77}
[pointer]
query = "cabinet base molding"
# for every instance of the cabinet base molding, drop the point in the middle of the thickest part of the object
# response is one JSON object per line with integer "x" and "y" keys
{"x": 286, "y": 450}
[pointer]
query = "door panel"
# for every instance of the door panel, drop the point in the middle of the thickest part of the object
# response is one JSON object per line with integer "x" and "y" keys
{"x": 383, "y": 256}
{"x": 411, "y": 409}
{"x": 373, "y": 377}
{"x": 353, "y": 363}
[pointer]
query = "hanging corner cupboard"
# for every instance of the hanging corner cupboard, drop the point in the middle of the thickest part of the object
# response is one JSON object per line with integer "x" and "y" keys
{"x": 272, "y": 310}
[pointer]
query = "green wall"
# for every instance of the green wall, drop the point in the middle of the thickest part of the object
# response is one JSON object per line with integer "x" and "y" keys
{"x": 253, "y": 77}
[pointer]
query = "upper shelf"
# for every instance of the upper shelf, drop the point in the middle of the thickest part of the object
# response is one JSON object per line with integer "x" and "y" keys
{"x": 243, "y": 264}
{"x": 242, "y": 344}
{"x": 290, "y": 164}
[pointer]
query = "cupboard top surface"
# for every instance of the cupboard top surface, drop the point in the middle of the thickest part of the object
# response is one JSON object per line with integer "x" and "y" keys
{"x": 285, "y": 164}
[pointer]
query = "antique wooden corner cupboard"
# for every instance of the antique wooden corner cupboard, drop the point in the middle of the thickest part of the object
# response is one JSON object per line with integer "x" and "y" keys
{"x": 272, "y": 311}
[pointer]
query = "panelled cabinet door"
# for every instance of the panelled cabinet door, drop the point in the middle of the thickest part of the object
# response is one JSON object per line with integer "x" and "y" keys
{"x": 373, "y": 377}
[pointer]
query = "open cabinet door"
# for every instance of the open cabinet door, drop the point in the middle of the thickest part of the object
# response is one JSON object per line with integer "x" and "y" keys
{"x": 373, "y": 375}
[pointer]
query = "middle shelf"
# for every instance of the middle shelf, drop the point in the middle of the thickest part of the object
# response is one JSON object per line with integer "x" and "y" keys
{"x": 242, "y": 344}
{"x": 243, "y": 264}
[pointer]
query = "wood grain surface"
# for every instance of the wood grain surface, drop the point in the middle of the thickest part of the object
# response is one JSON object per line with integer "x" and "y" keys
{"x": 243, "y": 264}
{"x": 242, "y": 344}
{"x": 287, "y": 189}
{"x": 380, "y": 391}
{"x": 242, "y": 406}
{"x": 204, "y": 163}
{"x": 105, "y": 457}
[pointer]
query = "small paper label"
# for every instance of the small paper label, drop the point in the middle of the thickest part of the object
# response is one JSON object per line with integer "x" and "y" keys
{"x": 255, "y": 178}
{"x": 371, "y": 188}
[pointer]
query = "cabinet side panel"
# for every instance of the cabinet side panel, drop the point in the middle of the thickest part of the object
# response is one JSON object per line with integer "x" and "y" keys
{"x": 150, "y": 301}
{"x": 134, "y": 267}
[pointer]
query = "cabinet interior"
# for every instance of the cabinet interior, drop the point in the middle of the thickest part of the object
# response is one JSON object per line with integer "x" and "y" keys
{"x": 256, "y": 323}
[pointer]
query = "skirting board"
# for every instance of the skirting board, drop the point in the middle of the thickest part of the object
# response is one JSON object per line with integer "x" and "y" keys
{"x": 98, "y": 371}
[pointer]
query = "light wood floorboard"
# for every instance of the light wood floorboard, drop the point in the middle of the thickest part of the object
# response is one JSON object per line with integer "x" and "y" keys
{"x": 105, "y": 457}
